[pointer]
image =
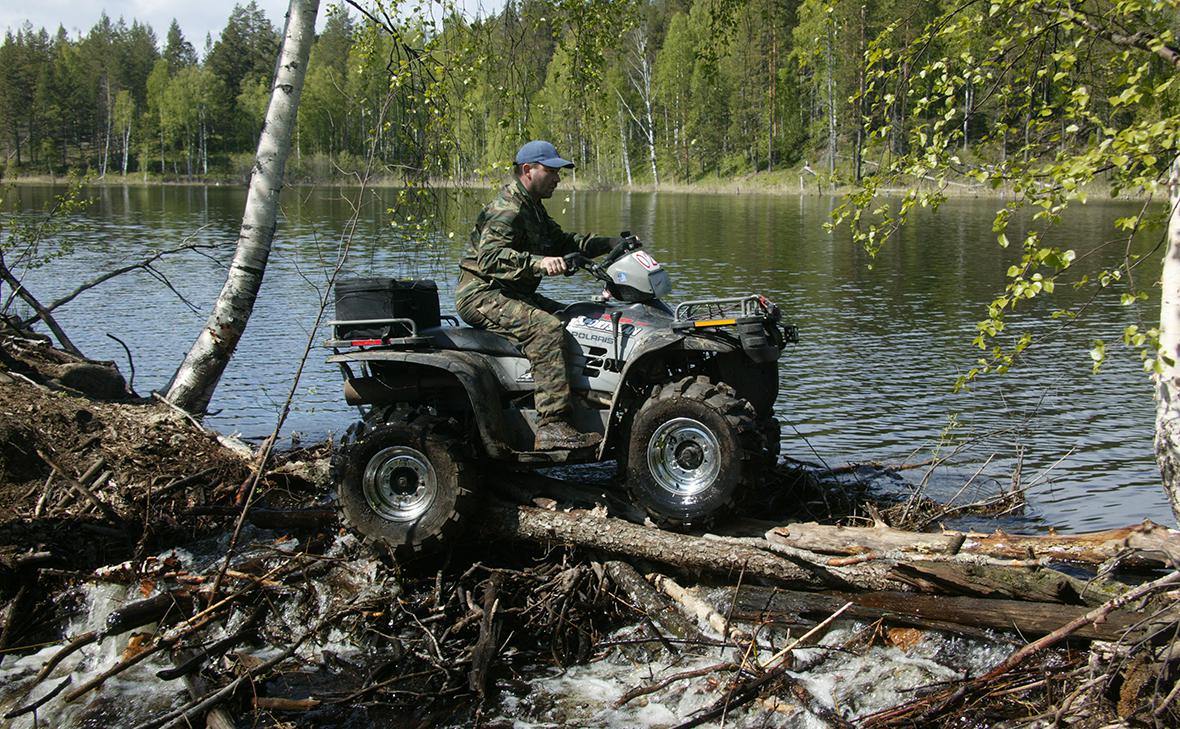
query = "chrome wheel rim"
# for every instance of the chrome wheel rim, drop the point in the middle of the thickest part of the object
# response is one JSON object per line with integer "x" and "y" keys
{"x": 684, "y": 456}
{"x": 399, "y": 484}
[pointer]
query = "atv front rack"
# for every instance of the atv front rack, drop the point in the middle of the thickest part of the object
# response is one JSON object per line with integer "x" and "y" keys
{"x": 752, "y": 305}
{"x": 755, "y": 318}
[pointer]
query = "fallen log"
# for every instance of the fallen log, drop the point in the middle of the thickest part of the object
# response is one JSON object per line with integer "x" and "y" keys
{"x": 1147, "y": 544}
{"x": 651, "y": 604}
{"x": 134, "y": 614}
{"x": 269, "y": 703}
{"x": 923, "y": 709}
{"x": 698, "y": 608}
{"x": 1035, "y": 584}
{"x": 273, "y": 518}
{"x": 805, "y": 567}
{"x": 590, "y": 529}
{"x": 930, "y": 612}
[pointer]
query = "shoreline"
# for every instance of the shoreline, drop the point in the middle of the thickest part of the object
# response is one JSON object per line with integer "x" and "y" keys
{"x": 777, "y": 184}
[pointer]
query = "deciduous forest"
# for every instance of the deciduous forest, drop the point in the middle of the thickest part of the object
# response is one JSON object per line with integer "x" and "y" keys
{"x": 638, "y": 92}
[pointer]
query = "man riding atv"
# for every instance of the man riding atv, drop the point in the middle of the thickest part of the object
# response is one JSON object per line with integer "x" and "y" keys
{"x": 513, "y": 244}
{"x": 681, "y": 398}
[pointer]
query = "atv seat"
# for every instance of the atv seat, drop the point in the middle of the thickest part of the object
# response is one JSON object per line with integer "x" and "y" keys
{"x": 471, "y": 339}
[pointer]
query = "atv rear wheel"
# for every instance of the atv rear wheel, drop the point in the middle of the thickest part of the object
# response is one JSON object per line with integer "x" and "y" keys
{"x": 693, "y": 446}
{"x": 407, "y": 488}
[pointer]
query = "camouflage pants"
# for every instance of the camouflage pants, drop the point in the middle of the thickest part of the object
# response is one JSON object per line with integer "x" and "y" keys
{"x": 528, "y": 321}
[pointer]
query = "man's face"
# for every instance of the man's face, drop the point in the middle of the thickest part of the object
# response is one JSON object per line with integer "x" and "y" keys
{"x": 539, "y": 180}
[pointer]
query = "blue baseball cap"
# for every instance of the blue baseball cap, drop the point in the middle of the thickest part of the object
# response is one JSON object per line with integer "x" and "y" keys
{"x": 541, "y": 152}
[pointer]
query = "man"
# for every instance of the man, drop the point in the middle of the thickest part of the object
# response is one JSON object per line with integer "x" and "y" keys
{"x": 513, "y": 245}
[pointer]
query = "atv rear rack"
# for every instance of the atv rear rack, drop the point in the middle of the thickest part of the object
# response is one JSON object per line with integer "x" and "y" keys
{"x": 407, "y": 329}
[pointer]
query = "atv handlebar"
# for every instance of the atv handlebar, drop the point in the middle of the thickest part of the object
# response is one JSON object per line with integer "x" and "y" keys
{"x": 574, "y": 261}
{"x": 627, "y": 244}
{"x": 578, "y": 260}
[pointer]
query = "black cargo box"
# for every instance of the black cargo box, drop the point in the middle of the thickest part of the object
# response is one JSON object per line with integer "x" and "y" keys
{"x": 384, "y": 298}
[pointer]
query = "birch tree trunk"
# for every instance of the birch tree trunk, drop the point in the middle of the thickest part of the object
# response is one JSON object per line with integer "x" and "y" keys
{"x": 197, "y": 377}
{"x": 623, "y": 146}
{"x": 831, "y": 106}
{"x": 126, "y": 146}
{"x": 1167, "y": 391}
{"x": 106, "y": 146}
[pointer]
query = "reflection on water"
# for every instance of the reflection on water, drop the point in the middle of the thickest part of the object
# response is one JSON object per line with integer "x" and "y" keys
{"x": 869, "y": 380}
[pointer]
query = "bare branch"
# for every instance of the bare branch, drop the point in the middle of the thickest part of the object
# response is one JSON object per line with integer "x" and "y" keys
{"x": 42, "y": 312}
{"x": 144, "y": 264}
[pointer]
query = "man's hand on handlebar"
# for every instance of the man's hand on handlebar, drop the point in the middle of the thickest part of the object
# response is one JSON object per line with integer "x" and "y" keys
{"x": 553, "y": 265}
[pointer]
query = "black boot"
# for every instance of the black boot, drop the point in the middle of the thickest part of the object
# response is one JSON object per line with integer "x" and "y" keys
{"x": 560, "y": 435}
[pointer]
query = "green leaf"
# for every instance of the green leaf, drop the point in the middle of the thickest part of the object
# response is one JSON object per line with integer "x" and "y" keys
{"x": 1098, "y": 354}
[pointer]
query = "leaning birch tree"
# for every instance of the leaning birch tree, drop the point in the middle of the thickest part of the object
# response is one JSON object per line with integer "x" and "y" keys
{"x": 1167, "y": 378}
{"x": 195, "y": 380}
{"x": 1073, "y": 94}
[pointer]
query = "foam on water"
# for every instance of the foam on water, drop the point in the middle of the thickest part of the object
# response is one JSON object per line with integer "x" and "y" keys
{"x": 136, "y": 695}
{"x": 124, "y": 700}
{"x": 852, "y": 684}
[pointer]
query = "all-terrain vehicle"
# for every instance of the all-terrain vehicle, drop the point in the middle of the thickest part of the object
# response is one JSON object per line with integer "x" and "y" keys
{"x": 682, "y": 397}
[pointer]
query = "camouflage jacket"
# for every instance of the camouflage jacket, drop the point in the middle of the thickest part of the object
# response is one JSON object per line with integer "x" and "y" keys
{"x": 511, "y": 235}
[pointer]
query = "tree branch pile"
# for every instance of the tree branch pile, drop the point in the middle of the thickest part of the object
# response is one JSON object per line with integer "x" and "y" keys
{"x": 563, "y": 579}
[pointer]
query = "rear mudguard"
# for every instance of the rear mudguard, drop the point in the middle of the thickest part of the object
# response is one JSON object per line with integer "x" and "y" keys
{"x": 469, "y": 370}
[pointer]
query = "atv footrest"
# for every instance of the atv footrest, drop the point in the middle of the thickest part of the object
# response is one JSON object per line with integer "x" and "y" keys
{"x": 541, "y": 458}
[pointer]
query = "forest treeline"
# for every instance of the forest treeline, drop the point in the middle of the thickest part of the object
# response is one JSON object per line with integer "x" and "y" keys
{"x": 636, "y": 91}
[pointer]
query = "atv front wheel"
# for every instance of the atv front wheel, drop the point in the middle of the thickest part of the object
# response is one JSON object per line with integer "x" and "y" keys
{"x": 407, "y": 488}
{"x": 694, "y": 445}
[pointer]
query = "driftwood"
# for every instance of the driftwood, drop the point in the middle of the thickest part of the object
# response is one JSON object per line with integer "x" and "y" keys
{"x": 1146, "y": 544}
{"x": 82, "y": 490}
{"x": 925, "y": 708}
{"x": 800, "y": 565}
{"x": 1034, "y": 583}
{"x": 34, "y": 705}
{"x": 269, "y": 703}
{"x": 698, "y": 608}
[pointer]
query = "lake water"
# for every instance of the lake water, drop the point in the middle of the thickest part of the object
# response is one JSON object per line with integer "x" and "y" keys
{"x": 870, "y": 379}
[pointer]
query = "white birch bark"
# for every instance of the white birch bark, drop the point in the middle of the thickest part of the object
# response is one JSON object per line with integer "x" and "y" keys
{"x": 126, "y": 146}
{"x": 623, "y": 146}
{"x": 831, "y": 107}
{"x": 106, "y": 146}
{"x": 197, "y": 377}
{"x": 1167, "y": 392}
{"x": 639, "y": 73}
